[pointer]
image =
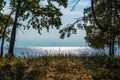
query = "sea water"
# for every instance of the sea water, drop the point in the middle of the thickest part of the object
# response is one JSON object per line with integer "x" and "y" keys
{"x": 40, "y": 51}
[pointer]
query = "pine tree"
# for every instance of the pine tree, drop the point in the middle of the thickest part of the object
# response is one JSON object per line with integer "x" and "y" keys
{"x": 101, "y": 22}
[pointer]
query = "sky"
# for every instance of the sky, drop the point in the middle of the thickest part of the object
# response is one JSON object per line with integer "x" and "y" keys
{"x": 32, "y": 38}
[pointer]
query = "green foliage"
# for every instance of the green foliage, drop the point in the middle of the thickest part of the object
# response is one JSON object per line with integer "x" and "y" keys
{"x": 32, "y": 13}
{"x": 38, "y": 15}
{"x": 92, "y": 34}
{"x": 103, "y": 11}
{"x": 3, "y": 24}
{"x": 101, "y": 21}
{"x": 2, "y": 4}
{"x": 67, "y": 31}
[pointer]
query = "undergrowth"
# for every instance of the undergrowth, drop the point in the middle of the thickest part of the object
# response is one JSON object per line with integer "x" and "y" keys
{"x": 59, "y": 67}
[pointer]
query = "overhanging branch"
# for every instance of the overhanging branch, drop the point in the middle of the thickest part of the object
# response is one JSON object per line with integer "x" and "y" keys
{"x": 95, "y": 19}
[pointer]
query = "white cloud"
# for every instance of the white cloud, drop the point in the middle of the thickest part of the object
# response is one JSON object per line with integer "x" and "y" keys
{"x": 83, "y": 3}
{"x": 67, "y": 11}
{"x": 6, "y": 10}
{"x": 44, "y": 2}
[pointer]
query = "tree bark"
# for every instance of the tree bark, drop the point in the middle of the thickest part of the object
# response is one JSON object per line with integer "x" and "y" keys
{"x": 3, "y": 35}
{"x": 112, "y": 47}
{"x": 112, "y": 33}
{"x": 13, "y": 34}
{"x": 2, "y": 43}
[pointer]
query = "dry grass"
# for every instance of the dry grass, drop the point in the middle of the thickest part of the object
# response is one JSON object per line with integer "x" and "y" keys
{"x": 95, "y": 67}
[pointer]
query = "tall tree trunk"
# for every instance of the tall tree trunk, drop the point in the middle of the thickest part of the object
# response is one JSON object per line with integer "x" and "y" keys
{"x": 110, "y": 44}
{"x": 3, "y": 35}
{"x": 13, "y": 34}
{"x": 111, "y": 30}
{"x": 112, "y": 38}
{"x": 2, "y": 43}
{"x": 113, "y": 47}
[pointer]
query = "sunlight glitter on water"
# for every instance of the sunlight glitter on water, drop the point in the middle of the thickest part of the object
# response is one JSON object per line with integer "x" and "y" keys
{"x": 35, "y": 51}
{"x": 39, "y": 51}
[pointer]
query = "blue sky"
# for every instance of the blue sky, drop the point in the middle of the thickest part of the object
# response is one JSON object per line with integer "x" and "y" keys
{"x": 32, "y": 38}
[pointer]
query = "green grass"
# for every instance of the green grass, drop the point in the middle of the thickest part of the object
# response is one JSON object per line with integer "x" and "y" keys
{"x": 59, "y": 67}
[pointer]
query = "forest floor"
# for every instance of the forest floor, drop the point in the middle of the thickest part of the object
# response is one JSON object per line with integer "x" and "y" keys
{"x": 59, "y": 67}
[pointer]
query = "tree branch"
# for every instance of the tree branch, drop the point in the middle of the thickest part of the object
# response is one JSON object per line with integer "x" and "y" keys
{"x": 94, "y": 16}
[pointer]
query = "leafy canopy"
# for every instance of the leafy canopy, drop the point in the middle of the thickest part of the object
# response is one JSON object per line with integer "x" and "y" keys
{"x": 35, "y": 14}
